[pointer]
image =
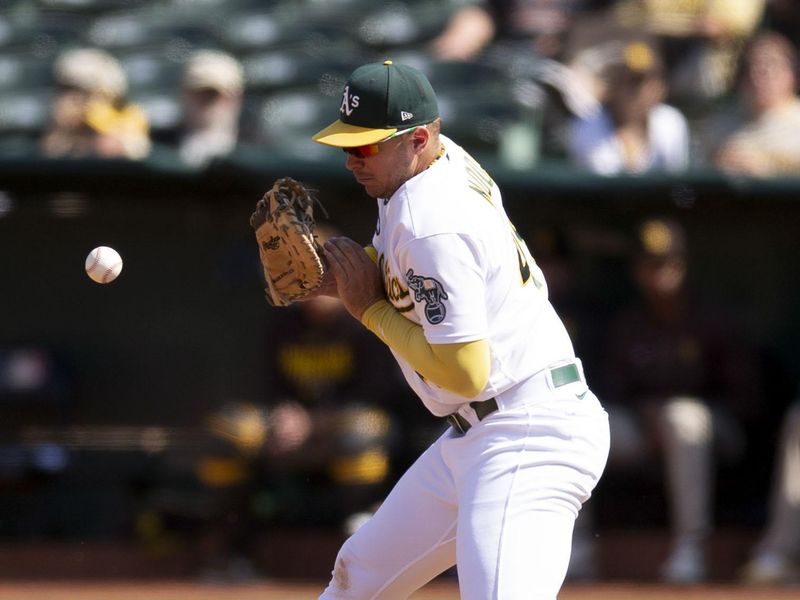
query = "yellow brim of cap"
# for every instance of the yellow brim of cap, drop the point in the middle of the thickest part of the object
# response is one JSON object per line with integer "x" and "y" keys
{"x": 343, "y": 135}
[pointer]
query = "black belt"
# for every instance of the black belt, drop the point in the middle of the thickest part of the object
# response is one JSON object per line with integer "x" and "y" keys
{"x": 562, "y": 375}
{"x": 482, "y": 410}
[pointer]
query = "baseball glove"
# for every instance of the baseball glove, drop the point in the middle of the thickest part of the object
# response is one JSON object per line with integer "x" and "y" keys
{"x": 287, "y": 245}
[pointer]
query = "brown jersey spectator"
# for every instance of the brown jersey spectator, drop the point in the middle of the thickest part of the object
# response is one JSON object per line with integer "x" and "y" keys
{"x": 680, "y": 382}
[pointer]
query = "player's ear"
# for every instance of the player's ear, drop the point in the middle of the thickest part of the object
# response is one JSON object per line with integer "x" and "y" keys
{"x": 420, "y": 138}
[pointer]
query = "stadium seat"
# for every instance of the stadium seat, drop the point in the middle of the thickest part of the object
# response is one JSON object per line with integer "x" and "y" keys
{"x": 38, "y": 34}
{"x": 161, "y": 107}
{"x": 120, "y": 30}
{"x": 250, "y": 29}
{"x": 94, "y": 6}
{"x": 288, "y": 119}
{"x": 174, "y": 31}
{"x": 466, "y": 76}
{"x": 401, "y": 24}
{"x": 24, "y": 111}
{"x": 491, "y": 127}
{"x": 280, "y": 69}
{"x": 150, "y": 69}
{"x": 7, "y": 30}
{"x": 19, "y": 71}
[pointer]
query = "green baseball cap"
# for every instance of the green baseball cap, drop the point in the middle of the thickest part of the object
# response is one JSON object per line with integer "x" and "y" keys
{"x": 378, "y": 100}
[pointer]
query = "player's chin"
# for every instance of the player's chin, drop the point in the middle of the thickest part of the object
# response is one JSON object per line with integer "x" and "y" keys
{"x": 373, "y": 191}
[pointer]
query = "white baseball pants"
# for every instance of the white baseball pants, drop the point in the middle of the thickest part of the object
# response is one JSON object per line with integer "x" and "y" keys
{"x": 499, "y": 501}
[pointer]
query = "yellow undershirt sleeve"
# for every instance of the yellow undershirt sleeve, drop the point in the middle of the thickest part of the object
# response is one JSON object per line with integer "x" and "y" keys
{"x": 461, "y": 368}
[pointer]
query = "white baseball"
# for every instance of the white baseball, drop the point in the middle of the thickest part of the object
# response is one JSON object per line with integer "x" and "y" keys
{"x": 103, "y": 264}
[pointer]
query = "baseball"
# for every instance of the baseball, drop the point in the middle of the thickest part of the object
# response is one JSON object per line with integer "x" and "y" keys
{"x": 103, "y": 264}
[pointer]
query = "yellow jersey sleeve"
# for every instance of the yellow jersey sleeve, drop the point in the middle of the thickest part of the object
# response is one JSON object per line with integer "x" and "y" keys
{"x": 462, "y": 368}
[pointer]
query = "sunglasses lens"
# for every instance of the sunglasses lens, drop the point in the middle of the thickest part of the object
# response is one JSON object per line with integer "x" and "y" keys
{"x": 370, "y": 150}
{"x": 363, "y": 151}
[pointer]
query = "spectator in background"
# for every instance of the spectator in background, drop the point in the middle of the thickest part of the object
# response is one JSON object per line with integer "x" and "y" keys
{"x": 776, "y": 559}
{"x": 680, "y": 385}
{"x": 634, "y": 132}
{"x": 90, "y": 115}
{"x": 211, "y": 93}
{"x": 702, "y": 41}
{"x": 469, "y": 30}
{"x": 539, "y": 27}
{"x": 760, "y": 135}
{"x": 525, "y": 39}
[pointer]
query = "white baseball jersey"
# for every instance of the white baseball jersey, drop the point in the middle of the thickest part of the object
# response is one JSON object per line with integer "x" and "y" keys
{"x": 453, "y": 263}
{"x": 501, "y": 498}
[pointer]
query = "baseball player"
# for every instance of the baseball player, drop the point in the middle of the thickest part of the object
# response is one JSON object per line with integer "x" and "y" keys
{"x": 451, "y": 288}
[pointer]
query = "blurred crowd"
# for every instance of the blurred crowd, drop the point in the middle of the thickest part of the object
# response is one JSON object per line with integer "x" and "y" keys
{"x": 612, "y": 87}
{"x": 609, "y": 86}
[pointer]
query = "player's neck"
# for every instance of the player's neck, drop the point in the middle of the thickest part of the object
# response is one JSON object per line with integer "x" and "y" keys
{"x": 433, "y": 151}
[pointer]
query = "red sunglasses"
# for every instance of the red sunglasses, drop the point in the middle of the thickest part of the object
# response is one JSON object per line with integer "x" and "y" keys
{"x": 363, "y": 151}
{"x": 373, "y": 149}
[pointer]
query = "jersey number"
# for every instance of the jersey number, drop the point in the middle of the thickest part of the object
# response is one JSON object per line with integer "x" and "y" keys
{"x": 480, "y": 181}
{"x": 528, "y": 269}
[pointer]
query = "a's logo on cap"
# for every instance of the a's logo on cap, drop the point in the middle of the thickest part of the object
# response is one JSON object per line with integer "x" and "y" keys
{"x": 349, "y": 102}
{"x": 405, "y": 116}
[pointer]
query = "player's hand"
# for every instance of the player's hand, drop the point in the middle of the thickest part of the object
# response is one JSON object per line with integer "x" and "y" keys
{"x": 358, "y": 279}
{"x": 327, "y": 287}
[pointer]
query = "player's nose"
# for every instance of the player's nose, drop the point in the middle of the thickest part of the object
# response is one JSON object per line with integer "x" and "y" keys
{"x": 353, "y": 162}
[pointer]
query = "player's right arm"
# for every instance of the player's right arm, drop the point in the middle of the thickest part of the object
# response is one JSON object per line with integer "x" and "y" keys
{"x": 462, "y": 368}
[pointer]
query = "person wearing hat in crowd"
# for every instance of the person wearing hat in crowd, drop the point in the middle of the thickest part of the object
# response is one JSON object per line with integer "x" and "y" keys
{"x": 681, "y": 382}
{"x": 634, "y": 131}
{"x": 211, "y": 95}
{"x": 758, "y": 134}
{"x": 450, "y": 287}
{"x": 90, "y": 115}
{"x": 701, "y": 42}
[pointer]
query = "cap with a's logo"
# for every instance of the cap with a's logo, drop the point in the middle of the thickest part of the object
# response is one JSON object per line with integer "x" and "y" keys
{"x": 378, "y": 100}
